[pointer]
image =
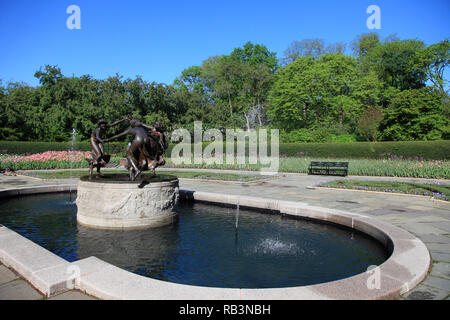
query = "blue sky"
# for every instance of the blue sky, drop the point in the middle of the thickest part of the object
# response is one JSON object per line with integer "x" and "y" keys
{"x": 158, "y": 39}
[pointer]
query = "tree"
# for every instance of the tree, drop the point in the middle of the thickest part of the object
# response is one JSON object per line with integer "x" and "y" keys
{"x": 369, "y": 121}
{"x": 414, "y": 114}
{"x": 228, "y": 81}
{"x": 397, "y": 63}
{"x": 257, "y": 66}
{"x": 3, "y": 120}
{"x": 364, "y": 43}
{"x": 17, "y": 111}
{"x": 310, "y": 48}
{"x": 338, "y": 47}
{"x": 314, "y": 92}
{"x": 368, "y": 89}
{"x": 193, "y": 79}
{"x": 50, "y": 76}
{"x": 256, "y": 55}
{"x": 434, "y": 59}
{"x": 240, "y": 81}
{"x": 304, "y": 48}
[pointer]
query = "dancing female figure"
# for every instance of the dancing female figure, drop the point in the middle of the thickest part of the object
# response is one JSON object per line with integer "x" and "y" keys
{"x": 99, "y": 159}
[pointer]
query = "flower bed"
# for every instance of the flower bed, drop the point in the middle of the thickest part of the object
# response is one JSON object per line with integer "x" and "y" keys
{"x": 45, "y": 160}
{"x": 390, "y": 166}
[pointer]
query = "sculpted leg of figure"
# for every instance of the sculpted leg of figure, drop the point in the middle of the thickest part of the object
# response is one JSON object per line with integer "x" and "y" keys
{"x": 102, "y": 152}
{"x": 98, "y": 175}
{"x": 143, "y": 161}
{"x": 161, "y": 160}
{"x": 153, "y": 166}
{"x": 91, "y": 168}
{"x": 151, "y": 152}
{"x": 132, "y": 160}
{"x": 97, "y": 150}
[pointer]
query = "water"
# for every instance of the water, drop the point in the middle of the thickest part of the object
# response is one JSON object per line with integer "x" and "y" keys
{"x": 237, "y": 215}
{"x": 201, "y": 248}
{"x": 72, "y": 148}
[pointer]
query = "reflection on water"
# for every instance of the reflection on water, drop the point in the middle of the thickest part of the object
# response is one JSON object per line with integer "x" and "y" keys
{"x": 203, "y": 247}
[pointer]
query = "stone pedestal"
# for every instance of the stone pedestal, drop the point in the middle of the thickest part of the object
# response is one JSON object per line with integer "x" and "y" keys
{"x": 114, "y": 202}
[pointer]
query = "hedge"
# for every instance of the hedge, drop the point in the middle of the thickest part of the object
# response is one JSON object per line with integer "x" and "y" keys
{"x": 429, "y": 150}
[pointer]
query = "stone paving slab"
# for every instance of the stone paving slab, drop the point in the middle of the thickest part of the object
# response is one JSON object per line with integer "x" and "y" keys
{"x": 442, "y": 224}
{"x": 442, "y": 257}
{"x": 432, "y": 238}
{"x": 13, "y": 287}
{"x": 439, "y": 247}
{"x": 437, "y": 282}
{"x": 18, "y": 290}
{"x": 424, "y": 292}
{"x": 441, "y": 270}
{"x": 419, "y": 228}
{"x": 6, "y": 275}
{"x": 72, "y": 295}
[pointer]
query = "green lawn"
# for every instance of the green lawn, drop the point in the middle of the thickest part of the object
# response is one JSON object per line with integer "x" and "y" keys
{"x": 438, "y": 191}
{"x": 436, "y": 169}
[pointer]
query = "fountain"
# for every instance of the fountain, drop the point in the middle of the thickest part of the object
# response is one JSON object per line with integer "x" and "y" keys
{"x": 196, "y": 257}
{"x": 125, "y": 201}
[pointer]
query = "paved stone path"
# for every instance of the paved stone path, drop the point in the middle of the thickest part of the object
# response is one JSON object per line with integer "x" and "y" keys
{"x": 424, "y": 217}
{"x": 14, "y": 287}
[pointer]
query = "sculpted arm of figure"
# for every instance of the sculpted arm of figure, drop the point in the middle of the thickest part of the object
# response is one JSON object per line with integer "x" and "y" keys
{"x": 148, "y": 127}
{"x": 117, "y": 136}
{"x": 117, "y": 122}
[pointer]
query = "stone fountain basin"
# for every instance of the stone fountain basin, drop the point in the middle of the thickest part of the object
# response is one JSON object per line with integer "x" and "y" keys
{"x": 115, "y": 202}
{"x": 407, "y": 266}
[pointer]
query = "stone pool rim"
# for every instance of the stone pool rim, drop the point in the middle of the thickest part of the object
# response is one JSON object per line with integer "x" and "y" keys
{"x": 406, "y": 267}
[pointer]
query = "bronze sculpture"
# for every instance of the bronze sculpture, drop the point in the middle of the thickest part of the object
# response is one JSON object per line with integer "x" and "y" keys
{"x": 98, "y": 158}
{"x": 146, "y": 149}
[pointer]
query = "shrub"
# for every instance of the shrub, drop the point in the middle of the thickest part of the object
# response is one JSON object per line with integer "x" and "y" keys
{"x": 344, "y": 138}
{"x": 306, "y": 135}
{"x": 299, "y": 135}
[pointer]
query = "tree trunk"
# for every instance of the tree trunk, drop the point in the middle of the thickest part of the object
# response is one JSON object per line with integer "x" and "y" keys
{"x": 247, "y": 120}
{"x": 259, "y": 113}
{"x": 231, "y": 106}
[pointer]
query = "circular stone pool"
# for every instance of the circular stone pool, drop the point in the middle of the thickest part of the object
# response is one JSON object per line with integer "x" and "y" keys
{"x": 203, "y": 247}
